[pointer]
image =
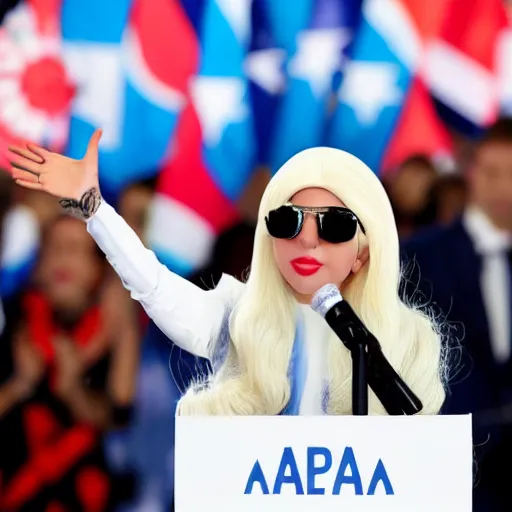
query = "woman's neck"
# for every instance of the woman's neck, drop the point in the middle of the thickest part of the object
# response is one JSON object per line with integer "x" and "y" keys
{"x": 68, "y": 317}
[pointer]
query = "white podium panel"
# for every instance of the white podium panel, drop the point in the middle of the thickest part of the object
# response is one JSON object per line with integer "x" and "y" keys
{"x": 324, "y": 464}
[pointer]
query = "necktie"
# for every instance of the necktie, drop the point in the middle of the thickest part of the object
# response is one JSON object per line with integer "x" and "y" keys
{"x": 509, "y": 308}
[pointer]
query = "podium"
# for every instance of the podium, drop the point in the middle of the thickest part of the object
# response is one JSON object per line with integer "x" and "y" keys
{"x": 324, "y": 464}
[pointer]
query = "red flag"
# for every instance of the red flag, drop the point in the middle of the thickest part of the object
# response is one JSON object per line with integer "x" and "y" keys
{"x": 419, "y": 130}
{"x": 461, "y": 65}
{"x": 35, "y": 92}
{"x": 189, "y": 210}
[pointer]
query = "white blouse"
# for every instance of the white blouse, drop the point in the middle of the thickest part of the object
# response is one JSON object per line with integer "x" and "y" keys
{"x": 193, "y": 318}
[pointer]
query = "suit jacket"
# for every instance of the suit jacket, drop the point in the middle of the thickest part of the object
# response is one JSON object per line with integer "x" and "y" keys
{"x": 443, "y": 269}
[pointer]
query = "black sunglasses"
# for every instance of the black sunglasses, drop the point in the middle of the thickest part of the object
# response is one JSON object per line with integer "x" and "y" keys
{"x": 335, "y": 224}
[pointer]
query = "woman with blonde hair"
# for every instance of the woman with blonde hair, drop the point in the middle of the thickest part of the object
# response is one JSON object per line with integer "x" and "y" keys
{"x": 324, "y": 218}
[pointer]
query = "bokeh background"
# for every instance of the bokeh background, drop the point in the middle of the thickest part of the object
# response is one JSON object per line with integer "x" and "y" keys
{"x": 200, "y": 102}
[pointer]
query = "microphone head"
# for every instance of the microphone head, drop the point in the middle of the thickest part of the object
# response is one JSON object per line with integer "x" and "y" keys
{"x": 325, "y": 298}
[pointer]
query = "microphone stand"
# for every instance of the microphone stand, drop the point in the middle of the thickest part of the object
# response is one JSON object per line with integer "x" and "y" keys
{"x": 371, "y": 368}
{"x": 369, "y": 365}
{"x": 359, "y": 379}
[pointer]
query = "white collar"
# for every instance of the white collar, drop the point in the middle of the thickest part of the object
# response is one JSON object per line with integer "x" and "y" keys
{"x": 486, "y": 237}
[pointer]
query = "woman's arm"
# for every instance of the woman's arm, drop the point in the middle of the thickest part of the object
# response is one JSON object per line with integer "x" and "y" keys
{"x": 12, "y": 392}
{"x": 83, "y": 403}
{"x": 124, "y": 334}
{"x": 188, "y": 315}
{"x": 27, "y": 372}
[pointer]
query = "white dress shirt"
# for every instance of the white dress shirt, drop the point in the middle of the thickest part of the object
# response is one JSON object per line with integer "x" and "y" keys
{"x": 492, "y": 245}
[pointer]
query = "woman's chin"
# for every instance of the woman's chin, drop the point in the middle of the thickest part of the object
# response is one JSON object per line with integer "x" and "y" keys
{"x": 304, "y": 291}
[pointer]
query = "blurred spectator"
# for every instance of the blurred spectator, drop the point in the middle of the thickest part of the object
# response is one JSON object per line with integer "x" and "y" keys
{"x": 6, "y": 190}
{"x": 6, "y": 6}
{"x": 124, "y": 442}
{"x": 445, "y": 202}
{"x": 134, "y": 205}
{"x": 408, "y": 189}
{"x": 72, "y": 376}
{"x": 464, "y": 269}
{"x": 20, "y": 235}
{"x": 231, "y": 255}
{"x": 249, "y": 202}
{"x": 45, "y": 207}
{"x": 5, "y": 204}
{"x": 450, "y": 197}
{"x": 24, "y": 214}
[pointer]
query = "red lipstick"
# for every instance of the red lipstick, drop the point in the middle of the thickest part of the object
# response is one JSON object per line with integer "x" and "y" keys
{"x": 306, "y": 266}
{"x": 62, "y": 276}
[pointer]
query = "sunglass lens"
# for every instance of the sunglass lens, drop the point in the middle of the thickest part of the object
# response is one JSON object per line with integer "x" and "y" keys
{"x": 283, "y": 222}
{"x": 338, "y": 226}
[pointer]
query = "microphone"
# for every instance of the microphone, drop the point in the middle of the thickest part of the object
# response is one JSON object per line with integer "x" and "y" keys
{"x": 369, "y": 365}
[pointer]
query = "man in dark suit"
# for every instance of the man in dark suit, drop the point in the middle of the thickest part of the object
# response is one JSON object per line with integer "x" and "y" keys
{"x": 464, "y": 271}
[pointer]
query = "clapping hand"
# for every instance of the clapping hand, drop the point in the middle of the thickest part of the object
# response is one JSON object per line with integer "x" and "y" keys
{"x": 69, "y": 367}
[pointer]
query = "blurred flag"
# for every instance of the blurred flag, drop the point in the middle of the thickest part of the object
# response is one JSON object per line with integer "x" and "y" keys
{"x": 461, "y": 66}
{"x": 505, "y": 63}
{"x": 20, "y": 246}
{"x": 213, "y": 152}
{"x": 220, "y": 95}
{"x": 189, "y": 210}
{"x": 322, "y": 34}
{"x": 264, "y": 67}
{"x": 419, "y": 131}
{"x": 387, "y": 53}
{"x": 132, "y": 71}
{"x": 35, "y": 90}
{"x": 194, "y": 10}
{"x": 505, "y": 69}
{"x": 275, "y": 40}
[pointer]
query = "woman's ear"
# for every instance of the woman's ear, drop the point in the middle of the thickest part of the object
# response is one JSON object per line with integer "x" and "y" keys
{"x": 362, "y": 258}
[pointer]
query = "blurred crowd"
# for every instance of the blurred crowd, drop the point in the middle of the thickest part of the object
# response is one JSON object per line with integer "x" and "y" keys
{"x": 88, "y": 384}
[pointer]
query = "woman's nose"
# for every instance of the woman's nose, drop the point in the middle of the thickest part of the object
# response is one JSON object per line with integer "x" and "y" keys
{"x": 308, "y": 236}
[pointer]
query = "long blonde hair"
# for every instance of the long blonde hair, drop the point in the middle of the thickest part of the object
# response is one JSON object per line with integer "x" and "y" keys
{"x": 253, "y": 380}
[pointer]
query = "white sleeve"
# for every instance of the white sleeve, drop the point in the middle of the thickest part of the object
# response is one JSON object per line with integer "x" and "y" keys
{"x": 188, "y": 315}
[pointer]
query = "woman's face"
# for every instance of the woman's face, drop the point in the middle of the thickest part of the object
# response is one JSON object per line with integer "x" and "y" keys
{"x": 134, "y": 205}
{"x": 307, "y": 262}
{"x": 69, "y": 268}
{"x": 409, "y": 189}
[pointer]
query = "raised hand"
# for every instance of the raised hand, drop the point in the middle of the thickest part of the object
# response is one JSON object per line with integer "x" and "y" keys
{"x": 74, "y": 182}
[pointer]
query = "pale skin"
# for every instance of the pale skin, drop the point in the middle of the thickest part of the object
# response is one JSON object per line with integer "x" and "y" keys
{"x": 36, "y": 168}
{"x": 339, "y": 261}
{"x": 490, "y": 182}
{"x": 63, "y": 177}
